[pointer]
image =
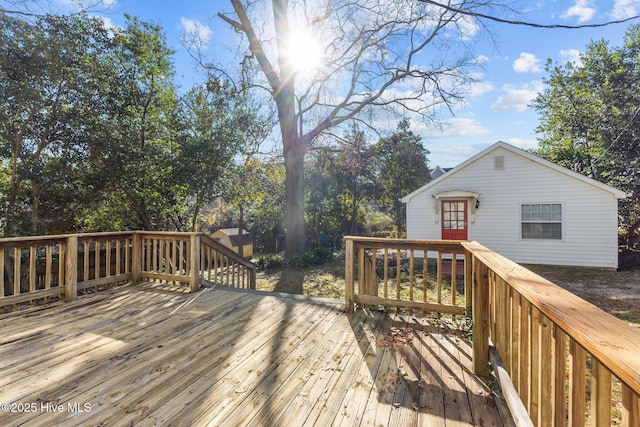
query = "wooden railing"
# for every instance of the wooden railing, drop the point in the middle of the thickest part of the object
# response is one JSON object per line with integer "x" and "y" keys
{"x": 220, "y": 264}
{"x": 392, "y": 273}
{"x": 41, "y": 267}
{"x": 174, "y": 257}
{"x": 569, "y": 362}
{"x": 555, "y": 346}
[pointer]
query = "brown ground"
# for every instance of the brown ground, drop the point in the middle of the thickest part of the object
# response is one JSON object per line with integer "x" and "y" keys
{"x": 616, "y": 292}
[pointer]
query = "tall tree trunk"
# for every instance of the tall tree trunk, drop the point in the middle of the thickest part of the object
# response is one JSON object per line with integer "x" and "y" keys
{"x": 283, "y": 92}
{"x": 294, "y": 146}
{"x": 194, "y": 218}
{"x": 295, "y": 241}
{"x": 354, "y": 214}
{"x": 35, "y": 205}
{"x": 241, "y": 231}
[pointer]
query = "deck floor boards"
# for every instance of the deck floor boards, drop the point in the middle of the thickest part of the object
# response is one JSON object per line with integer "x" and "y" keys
{"x": 147, "y": 355}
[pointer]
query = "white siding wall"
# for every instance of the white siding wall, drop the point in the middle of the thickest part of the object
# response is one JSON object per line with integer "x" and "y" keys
{"x": 590, "y": 216}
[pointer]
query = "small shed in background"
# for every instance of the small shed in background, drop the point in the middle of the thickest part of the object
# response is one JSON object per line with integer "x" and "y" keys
{"x": 230, "y": 237}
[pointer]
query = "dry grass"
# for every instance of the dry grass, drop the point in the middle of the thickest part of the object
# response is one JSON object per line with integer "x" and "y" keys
{"x": 325, "y": 280}
{"x": 616, "y": 292}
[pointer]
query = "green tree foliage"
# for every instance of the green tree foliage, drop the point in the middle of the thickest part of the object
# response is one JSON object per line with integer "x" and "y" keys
{"x": 135, "y": 153}
{"x": 219, "y": 122}
{"x": 356, "y": 161}
{"x": 51, "y": 104}
{"x": 401, "y": 166}
{"x": 325, "y": 212}
{"x": 353, "y": 187}
{"x": 264, "y": 212}
{"x": 254, "y": 193}
{"x": 339, "y": 185}
{"x": 590, "y": 120}
{"x": 93, "y": 135}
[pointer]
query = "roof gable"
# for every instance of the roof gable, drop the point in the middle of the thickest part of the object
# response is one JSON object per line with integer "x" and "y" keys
{"x": 522, "y": 153}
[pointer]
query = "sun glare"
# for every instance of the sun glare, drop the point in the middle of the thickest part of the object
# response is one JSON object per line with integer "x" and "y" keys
{"x": 304, "y": 52}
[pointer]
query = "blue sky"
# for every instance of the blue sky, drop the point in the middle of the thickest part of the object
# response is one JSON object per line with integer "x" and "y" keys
{"x": 496, "y": 106}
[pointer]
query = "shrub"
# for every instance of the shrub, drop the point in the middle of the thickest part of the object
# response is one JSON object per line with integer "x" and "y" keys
{"x": 316, "y": 256}
{"x": 270, "y": 261}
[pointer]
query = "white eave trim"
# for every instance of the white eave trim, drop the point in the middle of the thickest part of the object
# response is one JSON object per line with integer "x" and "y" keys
{"x": 456, "y": 194}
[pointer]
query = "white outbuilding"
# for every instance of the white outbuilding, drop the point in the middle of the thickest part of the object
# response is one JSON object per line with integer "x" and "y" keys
{"x": 522, "y": 206}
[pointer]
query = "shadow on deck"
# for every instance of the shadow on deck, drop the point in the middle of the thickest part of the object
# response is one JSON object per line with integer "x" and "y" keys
{"x": 148, "y": 355}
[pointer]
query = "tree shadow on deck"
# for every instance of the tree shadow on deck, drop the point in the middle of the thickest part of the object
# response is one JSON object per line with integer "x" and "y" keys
{"x": 291, "y": 281}
{"x": 422, "y": 369}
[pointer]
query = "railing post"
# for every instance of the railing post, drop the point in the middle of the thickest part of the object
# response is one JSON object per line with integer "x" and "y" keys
{"x": 468, "y": 275}
{"x": 71, "y": 275}
{"x": 252, "y": 279}
{"x": 136, "y": 257}
{"x": 480, "y": 319}
{"x": 194, "y": 273}
{"x": 348, "y": 273}
{"x": 630, "y": 407}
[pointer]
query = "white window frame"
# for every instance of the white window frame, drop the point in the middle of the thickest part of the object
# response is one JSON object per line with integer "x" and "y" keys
{"x": 539, "y": 220}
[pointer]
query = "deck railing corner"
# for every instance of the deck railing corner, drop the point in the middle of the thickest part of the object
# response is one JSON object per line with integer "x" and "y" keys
{"x": 40, "y": 267}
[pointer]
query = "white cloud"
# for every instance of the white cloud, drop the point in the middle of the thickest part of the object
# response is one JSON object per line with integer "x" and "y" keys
{"x": 107, "y": 22}
{"x": 481, "y": 59}
{"x": 582, "y": 9}
{"x": 195, "y": 32}
{"x": 527, "y": 63}
{"x": 570, "y": 55}
{"x": 452, "y": 128}
{"x": 450, "y": 155}
{"x": 480, "y": 88}
{"x": 623, "y": 9}
{"x": 517, "y": 98}
{"x": 468, "y": 27}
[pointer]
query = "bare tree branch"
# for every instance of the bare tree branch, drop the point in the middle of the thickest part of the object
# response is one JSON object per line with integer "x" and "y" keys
{"x": 528, "y": 24}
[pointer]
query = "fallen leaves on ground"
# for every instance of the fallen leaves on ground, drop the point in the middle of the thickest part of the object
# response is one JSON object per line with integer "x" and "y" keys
{"x": 396, "y": 337}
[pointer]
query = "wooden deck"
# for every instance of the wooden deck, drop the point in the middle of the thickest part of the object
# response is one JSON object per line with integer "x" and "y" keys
{"x": 146, "y": 355}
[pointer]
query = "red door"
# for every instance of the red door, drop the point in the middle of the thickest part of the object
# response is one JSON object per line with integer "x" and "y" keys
{"x": 454, "y": 220}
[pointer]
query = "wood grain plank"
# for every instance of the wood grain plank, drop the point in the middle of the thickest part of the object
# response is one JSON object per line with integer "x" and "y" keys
{"x": 150, "y": 355}
{"x": 559, "y": 377}
{"x": 408, "y": 354}
{"x": 362, "y": 348}
{"x": 248, "y": 386}
{"x": 600, "y": 394}
{"x": 316, "y": 378}
{"x": 456, "y": 403}
{"x": 431, "y": 396}
{"x": 481, "y": 400}
{"x": 276, "y": 389}
{"x": 349, "y": 400}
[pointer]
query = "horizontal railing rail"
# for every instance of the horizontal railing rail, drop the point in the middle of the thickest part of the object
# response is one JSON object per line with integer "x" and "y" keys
{"x": 397, "y": 273}
{"x": 569, "y": 361}
{"x": 40, "y": 267}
